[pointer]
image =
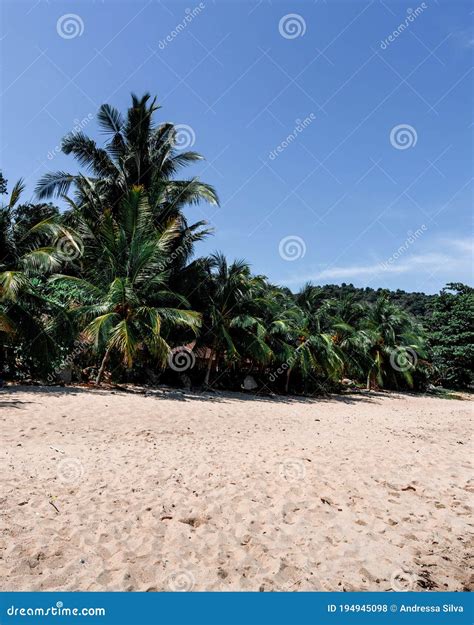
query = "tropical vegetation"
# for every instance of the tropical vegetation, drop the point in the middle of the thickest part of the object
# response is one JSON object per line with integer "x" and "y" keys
{"x": 110, "y": 289}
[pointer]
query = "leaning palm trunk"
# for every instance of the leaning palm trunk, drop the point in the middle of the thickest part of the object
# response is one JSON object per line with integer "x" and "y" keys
{"x": 102, "y": 365}
{"x": 368, "y": 385}
{"x": 208, "y": 371}
{"x": 213, "y": 351}
{"x": 371, "y": 380}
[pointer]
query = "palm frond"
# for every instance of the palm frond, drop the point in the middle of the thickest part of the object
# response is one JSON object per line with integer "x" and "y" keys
{"x": 11, "y": 284}
{"x": 16, "y": 193}
{"x": 88, "y": 154}
{"x": 43, "y": 259}
{"x": 54, "y": 184}
{"x": 124, "y": 339}
{"x": 100, "y": 328}
{"x": 110, "y": 120}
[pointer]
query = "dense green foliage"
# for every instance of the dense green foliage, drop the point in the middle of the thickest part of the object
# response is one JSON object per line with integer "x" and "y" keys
{"x": 110, "y": 288}
{"x": 451, "y": 333}
{"x": 418, "y": 304}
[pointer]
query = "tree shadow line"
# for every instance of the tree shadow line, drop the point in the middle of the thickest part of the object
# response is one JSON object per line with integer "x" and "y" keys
{"x": 8, "y": 400}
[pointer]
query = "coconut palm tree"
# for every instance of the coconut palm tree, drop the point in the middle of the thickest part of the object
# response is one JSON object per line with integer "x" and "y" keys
{"x": 126, "y": 307}
{"x": 136, "y": 153}
{"x": 349, "y": 336}
{"x": 396, "y": 341}
{"x": 311, "y": 301}
{"x": 30, "y": 247}
{"x": 316, "y": 353}
{"x": 230, "y": 329}
{"x": 293, "y": 332}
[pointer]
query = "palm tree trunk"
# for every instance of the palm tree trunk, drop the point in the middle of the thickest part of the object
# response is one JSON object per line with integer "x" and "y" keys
{"x": 287, "y": 382}
{"x": 370, "y": 380}
{"x": 208, "y": 370}
{"x": 102, "y": 365}
{"x": 209, "y": 364}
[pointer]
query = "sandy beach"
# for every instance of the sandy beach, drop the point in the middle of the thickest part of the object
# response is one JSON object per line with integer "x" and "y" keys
{"x": 108, "y": 490}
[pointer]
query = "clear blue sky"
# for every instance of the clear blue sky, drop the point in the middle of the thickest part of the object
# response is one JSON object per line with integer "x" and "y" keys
{"x": 241, "y": 74}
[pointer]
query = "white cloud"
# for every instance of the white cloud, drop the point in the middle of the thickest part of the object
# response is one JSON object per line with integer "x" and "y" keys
{"x": 450, "y": 256}
{"x": 465, "y": 245}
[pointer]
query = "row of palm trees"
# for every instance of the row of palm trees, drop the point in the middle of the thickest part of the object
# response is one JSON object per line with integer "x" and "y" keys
{"x": 116, "y": 270}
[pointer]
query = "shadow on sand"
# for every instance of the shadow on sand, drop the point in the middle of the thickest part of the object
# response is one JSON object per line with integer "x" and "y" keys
{"x": 8, "y": 399}
{"x": 12, "y": 402}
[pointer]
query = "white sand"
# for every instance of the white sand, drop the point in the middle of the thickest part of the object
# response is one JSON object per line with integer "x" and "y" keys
{"x": 232, "y": 493}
